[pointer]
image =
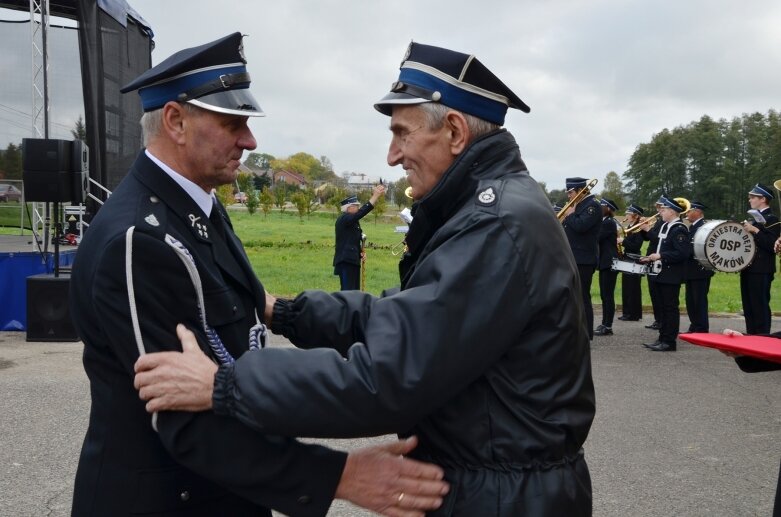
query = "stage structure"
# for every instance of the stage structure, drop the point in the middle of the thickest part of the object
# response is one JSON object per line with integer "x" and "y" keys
{"x": 113, "y": 44}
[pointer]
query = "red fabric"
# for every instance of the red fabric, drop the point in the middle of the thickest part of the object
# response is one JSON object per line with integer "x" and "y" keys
{"x": 763, "y": 347}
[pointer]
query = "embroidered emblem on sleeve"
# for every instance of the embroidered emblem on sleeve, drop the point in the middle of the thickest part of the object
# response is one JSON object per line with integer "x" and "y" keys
{"x": 591, "y": 210}
{"x": 151, "y": 220}
{"x": 487, "y": 197}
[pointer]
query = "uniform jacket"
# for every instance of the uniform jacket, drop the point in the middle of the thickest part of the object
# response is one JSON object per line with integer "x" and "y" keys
{"x": 482, "y": 352}
{"x": 582, "y": 229}
{"x": 675, "y": 249}
{"x": 633, "y": 242}
{"x": 348, "y": 236}
{"x": 197, "y": 459}
{"x": 653, "y": 236}
{"x": 765, "y": 258}
{"x": 608, "y": 249}
{"x": 694, "y": 270}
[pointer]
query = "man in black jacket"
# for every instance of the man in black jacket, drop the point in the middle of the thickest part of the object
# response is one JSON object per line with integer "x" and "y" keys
{"x": 756, "y": 279}
{"x": 581, "y": 225}
{"x": 608, "y": 250}
{"x": 668, "y": 270}
{"x": 482, "y": 352}
{"x": 348, "y": 257}
{"x": 631, "y": 295}
{"x": 697, "y": 277}
{"x": 161, "y": 251}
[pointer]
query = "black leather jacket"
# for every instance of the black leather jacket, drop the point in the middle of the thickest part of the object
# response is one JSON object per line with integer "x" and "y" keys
{"x": 482, "y": 353}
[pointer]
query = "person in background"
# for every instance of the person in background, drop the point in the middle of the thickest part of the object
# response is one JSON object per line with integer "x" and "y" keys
{"x": 162, "y": 250}
{"x": 756, "y": 279}
{"x": 481, "y": 351}
{"x": 608, "y": 250}
{"x": 652, "y": 235}
{"x": 697, "y": 277}
{"x": 631, "y": 295}
{"x": 349, "y": 238}
{"x": 581, "y": 224}
{"x": 669, "y": 265}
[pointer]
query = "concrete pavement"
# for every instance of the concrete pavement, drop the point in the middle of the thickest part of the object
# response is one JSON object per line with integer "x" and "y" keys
{"x": 676, "y": 434}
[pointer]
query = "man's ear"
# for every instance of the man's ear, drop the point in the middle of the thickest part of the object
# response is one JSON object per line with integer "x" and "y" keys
{"x": 173, "y": 121}
{"x": 460, "y": 136}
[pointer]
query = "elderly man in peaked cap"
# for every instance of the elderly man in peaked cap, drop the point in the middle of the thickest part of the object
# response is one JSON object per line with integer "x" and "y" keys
{"x": 756, "y": 279}
{"x": 161, "y": 251}
{"x": 482, "y": 352}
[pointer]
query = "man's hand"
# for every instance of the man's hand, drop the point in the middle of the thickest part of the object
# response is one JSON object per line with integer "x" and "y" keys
{"x": 730, "y": 332}
{"x": 269, "y": 311}
{"x": 176, "y": 381}
{"x": 380, "y": 479}
{"x": 377, "y": 191}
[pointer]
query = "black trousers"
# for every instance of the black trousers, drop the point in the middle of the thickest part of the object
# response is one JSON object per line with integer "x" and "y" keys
{"x": 654, "y": 295}
{"x": 697, "y": 304}
{"x": 755, "y": 292}
{"x": 670, "y": 312}
{"x": 349, "y": 276}
{"x": 607, "y": 290}
{"x": 586, "y": 273}
{"x": 631, "y": 297}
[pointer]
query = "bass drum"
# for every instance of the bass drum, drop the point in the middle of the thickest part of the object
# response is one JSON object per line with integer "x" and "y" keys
{"x": 723, "y": 246}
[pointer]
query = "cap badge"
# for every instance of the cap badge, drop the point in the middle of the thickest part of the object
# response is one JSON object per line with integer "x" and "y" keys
{"x": 202, "y": 229}
{"x": 151, "y": 220}
{"x": 241, "y": 53}
{"x": 487, "y": 197}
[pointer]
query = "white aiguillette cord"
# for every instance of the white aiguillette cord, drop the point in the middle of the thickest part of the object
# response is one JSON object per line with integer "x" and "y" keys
{"x": 258, "y": 334}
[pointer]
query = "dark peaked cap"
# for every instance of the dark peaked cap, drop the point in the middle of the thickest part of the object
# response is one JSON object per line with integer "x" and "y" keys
{"x": 212, "y": 76}
{"x": 459, "y": 81}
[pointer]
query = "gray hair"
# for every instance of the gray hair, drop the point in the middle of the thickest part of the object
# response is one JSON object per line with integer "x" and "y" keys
{"x": 152, "y": 122}
{"x": 435, "y": 117}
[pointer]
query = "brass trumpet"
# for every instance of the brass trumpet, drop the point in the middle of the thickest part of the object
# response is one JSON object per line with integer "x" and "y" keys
{"x": 577, "y": 199}
{"x": 651, "y": 219}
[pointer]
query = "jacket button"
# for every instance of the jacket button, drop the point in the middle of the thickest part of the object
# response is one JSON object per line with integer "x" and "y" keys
{"x": 235, "y": 309}
{"x": 184, "y": 496}
{"x": 304, "y": 499}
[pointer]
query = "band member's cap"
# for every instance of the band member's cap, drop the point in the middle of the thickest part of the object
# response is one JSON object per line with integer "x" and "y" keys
{"x": 698, "y": 205}
{"x": 456, "y": 80}
{"x": 352, "y": 200}
{"x": 212, "y": 76}
{"x": 573, "y": 183}
{"x": 668, "y": 202}
{"x": 557, "y": 207}
{"x": 608, "y": 203}
{"x": 634, "y": 209}
{"x": 761, "y": 190}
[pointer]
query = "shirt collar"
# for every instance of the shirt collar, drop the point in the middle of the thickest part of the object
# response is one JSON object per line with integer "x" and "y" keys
{"x": 204, "y": 200}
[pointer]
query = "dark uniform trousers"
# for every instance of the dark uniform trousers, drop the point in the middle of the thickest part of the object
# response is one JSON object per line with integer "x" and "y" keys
{"x": 607, "y": 288}
{"x": 670, "y": 314}
{"x": 653, "y": 292}
{"x": 349, "y": 276}
{"x": 586, "y": 274}
{"x": 582, "y": 229}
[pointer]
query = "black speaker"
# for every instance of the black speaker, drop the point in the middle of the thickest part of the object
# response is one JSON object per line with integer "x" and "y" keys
{"x": 47, "y": 169}
{"x": 48, "y": 309}
{"x": 80, "y": 168}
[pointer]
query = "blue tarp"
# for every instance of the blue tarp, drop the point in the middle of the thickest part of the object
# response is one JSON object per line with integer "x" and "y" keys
{"x": 15, "y": 267}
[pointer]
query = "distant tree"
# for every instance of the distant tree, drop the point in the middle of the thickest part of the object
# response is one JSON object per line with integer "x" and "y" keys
{"x": 557, "y": 196}
{"x": 379, "y": 208}
{"x": 259, "y": 160}
{"x": 396, "y": 193}
{"x": 261, "y": 182}
{"x": 225, "y": 194}
{"x": 266, "y": 201}
{"x": 79, "y": 132}
{"x": 614, "y": 189}
{"x": 12, "y": 162}
{"x": 280, "y": 195}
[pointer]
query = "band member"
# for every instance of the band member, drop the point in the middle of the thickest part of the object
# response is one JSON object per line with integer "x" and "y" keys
{"x": 581, "y": 224}
{"x": 755, "y": 280}
{"x": 669, "y": 263}
{"x": 631, "y": 296}
{"x": 608, "y": 250}
{"x": 652, "y": 234}
{"x": 697, "y": 277}
{"x": 348, "y": 250}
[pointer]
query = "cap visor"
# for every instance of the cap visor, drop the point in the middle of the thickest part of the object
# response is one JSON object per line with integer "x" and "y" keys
{"x": 385, "y": 105}
{"x": 231, "y": 102}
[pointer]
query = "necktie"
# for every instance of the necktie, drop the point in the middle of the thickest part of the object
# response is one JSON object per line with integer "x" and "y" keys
{"x": 216, "y": 219}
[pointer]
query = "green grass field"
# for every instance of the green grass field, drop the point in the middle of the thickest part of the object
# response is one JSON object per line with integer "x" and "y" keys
{"x": 291, "y": 255}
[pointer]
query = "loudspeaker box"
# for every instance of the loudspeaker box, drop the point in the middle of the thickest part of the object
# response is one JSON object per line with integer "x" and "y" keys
{"x": 48, "y": 309}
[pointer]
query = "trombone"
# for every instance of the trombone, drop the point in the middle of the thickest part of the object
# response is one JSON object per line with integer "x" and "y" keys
{"x": 585, "y": 191}
{"x": 638, "y": 226}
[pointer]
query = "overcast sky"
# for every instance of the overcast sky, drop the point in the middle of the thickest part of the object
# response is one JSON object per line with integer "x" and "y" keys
{"x": 601, "y": 76}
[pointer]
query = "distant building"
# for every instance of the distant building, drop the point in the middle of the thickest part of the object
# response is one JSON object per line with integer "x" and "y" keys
{"x": 289, "y": 178}
{"x": 360, "y": 181}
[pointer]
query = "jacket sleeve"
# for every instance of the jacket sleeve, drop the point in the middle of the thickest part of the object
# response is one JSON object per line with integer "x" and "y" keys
{"x": 767, "y": 235}
{"x": 582, "y": 220}
{"x": 271, "y": 471}
{"x": 346, "y": 218}
{"x": 420, "y": 346}
{"x": 681, "y": 246}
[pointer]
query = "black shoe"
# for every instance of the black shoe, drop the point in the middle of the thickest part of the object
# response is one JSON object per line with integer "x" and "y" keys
{"x": 663, "y": 347}
{"x": 603, "y": 331}
{"x": 651, "y": 345}
{"x": 624, "y": 318}
{"x": 654, "y": 326}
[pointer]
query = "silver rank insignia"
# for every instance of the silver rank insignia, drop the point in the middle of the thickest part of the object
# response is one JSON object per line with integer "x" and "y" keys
{"x": 202, "y": 229}
{"x": 151, "y": 220}
{"x": 486, "y": 197}
{"x": 592, "y": 210}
